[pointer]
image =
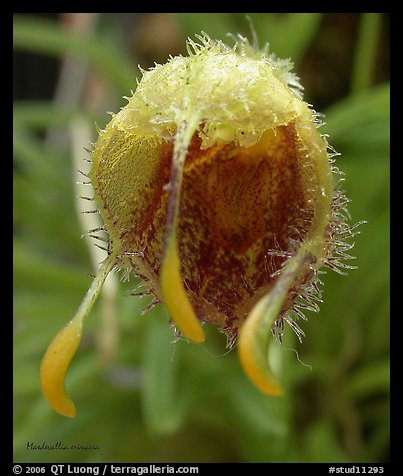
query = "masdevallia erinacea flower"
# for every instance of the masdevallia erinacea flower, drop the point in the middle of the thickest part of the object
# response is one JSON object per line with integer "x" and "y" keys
{"x": 215, "y": 186}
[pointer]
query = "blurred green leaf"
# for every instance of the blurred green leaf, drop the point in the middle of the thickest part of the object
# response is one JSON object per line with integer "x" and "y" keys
{"x": 35, "y": 156}
{"x": 322, "y": 445}
{"x": 48, "y": 37}
{"x": 42, "y": 114}
{"x": 266, "y": 421}
{"x": 162, "y": 406}
{"x": 361, "y": 121}
{"x": 288, "y": 35}
{"x": 298, "y": 29}
{"x": 372, "y": 378}
{"x": 366, "y": 51}
{"x": 216, "y": 25}
{"x": 34, "y": 271}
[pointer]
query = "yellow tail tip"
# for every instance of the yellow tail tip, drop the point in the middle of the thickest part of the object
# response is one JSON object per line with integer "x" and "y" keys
{"x": 196, "y": 335}
{"x": 175, "y": 296}
{"x": 253, "y": 343}
{"x": 258, "y": 371}
{"x": 54, "y": 366}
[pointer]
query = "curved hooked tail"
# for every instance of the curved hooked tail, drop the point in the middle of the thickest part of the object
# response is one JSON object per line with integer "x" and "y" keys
{"x": 61, "y": 350}
{"x": 255, "y": 335}
{"x": 173, "y": 291}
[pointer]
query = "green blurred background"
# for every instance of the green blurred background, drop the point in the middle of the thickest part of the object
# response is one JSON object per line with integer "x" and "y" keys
{"x": 140, "y": 397}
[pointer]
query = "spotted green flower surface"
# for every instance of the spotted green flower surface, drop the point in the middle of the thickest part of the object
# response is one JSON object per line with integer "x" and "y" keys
{"x": 216, "y": 187}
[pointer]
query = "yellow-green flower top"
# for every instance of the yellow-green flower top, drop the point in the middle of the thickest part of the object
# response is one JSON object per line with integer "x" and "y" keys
{"x": 231, "y": 94}
{"x": 215, "y": 187}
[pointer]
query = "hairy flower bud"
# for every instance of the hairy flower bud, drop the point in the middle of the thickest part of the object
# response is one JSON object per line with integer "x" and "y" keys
{"x": 215, "y": 187}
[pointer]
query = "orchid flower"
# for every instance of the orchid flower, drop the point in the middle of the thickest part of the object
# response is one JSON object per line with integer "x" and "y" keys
{"x": 216, "y": 188}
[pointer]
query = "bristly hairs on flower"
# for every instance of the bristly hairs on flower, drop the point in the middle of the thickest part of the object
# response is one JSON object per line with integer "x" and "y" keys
{"x": 216, "y": 189}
